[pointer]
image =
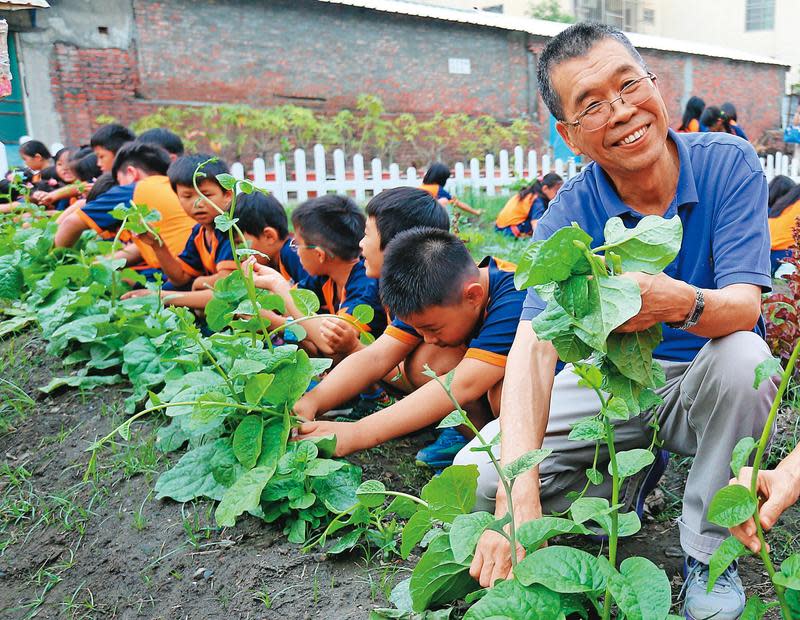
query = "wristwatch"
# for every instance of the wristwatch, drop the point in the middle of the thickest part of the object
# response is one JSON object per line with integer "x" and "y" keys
{"x": 695, "y": 314}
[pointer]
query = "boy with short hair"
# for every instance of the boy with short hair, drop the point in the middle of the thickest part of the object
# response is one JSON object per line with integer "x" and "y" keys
{"x": 107, "y": 140}
{"x": 431, "y": 283}
{"x": 166, "y": 139}
{"x": 263, "y": 221}
{"x": 140, "y": 170}
{"x": 327, "y": 233}
{"x": 207, "y": 255}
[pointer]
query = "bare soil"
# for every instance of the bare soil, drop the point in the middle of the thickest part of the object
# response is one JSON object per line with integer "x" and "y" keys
{"x": 105, "y": 548}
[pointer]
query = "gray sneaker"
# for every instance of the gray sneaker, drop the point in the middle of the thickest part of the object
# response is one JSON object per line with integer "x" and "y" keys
{"x": 724, "y": 602}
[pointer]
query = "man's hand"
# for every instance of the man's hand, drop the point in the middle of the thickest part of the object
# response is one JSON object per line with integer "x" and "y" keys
{"x": 339, "y": 335}
{"x": 492, "y": 559}
{"x": 780, "y": 489}
{"x": 664, "y": 300}
{"x": 305, "y": 408}
{"x": 348, "y": 439}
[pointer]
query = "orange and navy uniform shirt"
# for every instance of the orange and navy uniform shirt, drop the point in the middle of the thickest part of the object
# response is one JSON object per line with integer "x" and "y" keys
{"x": 358, "y": 290}
{"x": 154, "y": 191}
{"x": 202, "y": 257}
{"x": 518, "y": 214}
{"x": 289, "y": 264}
{"x": 780, "y": 228}
{"x": 694, "y": 126}
{"x": 437, "y": 191}
{"x": 493, "y": 336}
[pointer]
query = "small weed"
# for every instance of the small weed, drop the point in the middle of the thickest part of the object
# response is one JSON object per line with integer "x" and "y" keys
{"x": 263, "y": 596}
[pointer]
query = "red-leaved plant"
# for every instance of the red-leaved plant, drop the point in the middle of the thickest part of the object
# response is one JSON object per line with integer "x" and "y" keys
{"x": 781, "y": 307}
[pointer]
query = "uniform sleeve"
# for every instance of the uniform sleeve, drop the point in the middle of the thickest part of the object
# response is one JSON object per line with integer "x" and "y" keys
{"x": 443, "y": 193}
{"x": 496, "y": 335}
{"x": 97, "y": 213}
{"x": 364, "y": 290}
{"x": 189, "y": 258}
{"x": 740, "y": 242}
{"x": 224, "y": 257}
{"x": 537, "y": 209}
{"x": 403, "y": 332}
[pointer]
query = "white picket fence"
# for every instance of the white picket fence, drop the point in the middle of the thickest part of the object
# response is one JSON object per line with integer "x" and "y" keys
{"x": 779, "y": 163}
{"x": 352, "y": 177}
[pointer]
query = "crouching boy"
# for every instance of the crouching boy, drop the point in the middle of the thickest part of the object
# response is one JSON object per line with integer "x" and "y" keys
{"x": 469, "y": 312}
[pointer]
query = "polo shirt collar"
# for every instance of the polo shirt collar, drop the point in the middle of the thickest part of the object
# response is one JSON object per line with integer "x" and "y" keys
{"x": 685, "y": 193}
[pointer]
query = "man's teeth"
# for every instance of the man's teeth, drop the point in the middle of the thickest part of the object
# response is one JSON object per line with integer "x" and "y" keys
{"x": 634, "y": 136}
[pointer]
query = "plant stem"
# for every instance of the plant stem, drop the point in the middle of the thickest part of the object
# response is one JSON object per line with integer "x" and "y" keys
{"x": 198, "y": 339}
{"x": 614, "y": 530}
{"x": 762, "y": 447}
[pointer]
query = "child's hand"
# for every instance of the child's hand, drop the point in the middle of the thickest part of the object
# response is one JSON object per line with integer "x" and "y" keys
{"x": 203, "y": 283}
{"x": 142, "y": 292}
{"x": 149, "y": 239}
{"x": 347, "y": 435}
{"x": 305, "y": 408}
{"x": 339, "y": 335}
{"x": 265, "y": 277}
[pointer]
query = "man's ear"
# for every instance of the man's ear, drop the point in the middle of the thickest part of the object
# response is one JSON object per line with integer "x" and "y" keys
{"x": 473, "y": 293}
{"x": 563, "y": 131}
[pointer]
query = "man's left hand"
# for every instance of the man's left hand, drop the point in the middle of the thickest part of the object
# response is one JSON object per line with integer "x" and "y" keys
{"x": 664, "y": 300}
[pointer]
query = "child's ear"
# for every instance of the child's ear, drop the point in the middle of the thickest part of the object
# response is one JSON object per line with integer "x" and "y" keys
{"x": 269, "y": 234}
{"x": 473, "y": 293}
{"x": 322, "y": 255}
{"x": 228, "y": 195}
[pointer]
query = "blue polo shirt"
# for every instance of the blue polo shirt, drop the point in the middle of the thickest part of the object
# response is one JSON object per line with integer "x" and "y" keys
{"x": 721, "y": 199}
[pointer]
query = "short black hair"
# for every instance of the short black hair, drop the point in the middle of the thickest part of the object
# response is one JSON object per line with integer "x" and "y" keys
{"x": 332, "y": 222}
{"x": 711, "y": 115}
{"x": 86, "y": 168}
{"x": 424, "y": 267}
{"x": 729, "y": 109}
{"x": 166, "y": 139}
{"x": 112, "y": 137}
{"x": 694, "y": 108}
{"x": 181, "y": 171}
{"x": 403, "y": 208}
{"x": 257, "y": 211}
{"x": 437, "y": 174}
{"x": 788, "y": 199}
{"x": 103, "y": 183}
{"x": 149, "y": 158}
{"x": 32, "y": 148}
{"x": 778, "y": 187}
{"x": 574, "y": 42}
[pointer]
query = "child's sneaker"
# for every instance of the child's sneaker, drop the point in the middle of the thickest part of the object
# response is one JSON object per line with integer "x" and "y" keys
{"x": 440, "y": 453}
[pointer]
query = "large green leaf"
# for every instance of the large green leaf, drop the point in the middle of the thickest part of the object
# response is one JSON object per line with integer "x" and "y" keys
{"x": 612, "y": 301}
{"x": 641, "y": 590}
{"x": 415, "y": 530}
{"x": 727, "y": 552}
{"x": 553, "y": 259}
{"x": 562, "y": 569}
{"x": 437, "y": 578}
{"x": 243, "y": 495}
{"x": 338, "y": 489}
{"x": 533, "y": 534}
{"x": 731, "y": 506}
{"x": 649, "y": 247}
{"x": 525, "y": 463}
{"x": 741, "y": 454}
{"x": 10, "y": 277}
{"x": 465, "y": 532}
{"x": 192, "y": 476}
{"x": 247, "y": 440}
{"x": 789, "y": 577}
{"x": 510, "y": 600}
{"x": 632, "y": 353}
{"x": 633, "y": 461}
{"x": 452, "y": 493}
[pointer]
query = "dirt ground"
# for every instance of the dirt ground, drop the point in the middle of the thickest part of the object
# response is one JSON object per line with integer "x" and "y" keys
{"x": 105, "y": 548}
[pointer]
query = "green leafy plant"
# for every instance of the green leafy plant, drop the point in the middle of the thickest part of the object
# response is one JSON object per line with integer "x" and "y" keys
{"x": 587, "y": 299}
{"x": 735, "y": 504}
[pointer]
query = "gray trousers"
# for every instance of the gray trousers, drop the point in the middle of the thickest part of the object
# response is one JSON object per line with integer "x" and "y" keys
{"x": 709, "y": 404}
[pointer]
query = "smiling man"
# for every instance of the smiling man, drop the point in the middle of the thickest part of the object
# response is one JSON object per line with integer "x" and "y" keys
{"x": 609, "y": 108}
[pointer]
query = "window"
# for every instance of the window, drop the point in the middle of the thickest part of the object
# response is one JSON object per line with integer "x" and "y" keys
{"x": 759, "y": 15}
{"x": 459, "y": 65}
{"x": 494, "y": 8}
{"x": 649, "y": 16}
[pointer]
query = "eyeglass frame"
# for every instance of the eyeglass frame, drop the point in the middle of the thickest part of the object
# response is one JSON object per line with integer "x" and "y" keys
{"x": 577, "y": 122}
{"x": 309, "y": 246}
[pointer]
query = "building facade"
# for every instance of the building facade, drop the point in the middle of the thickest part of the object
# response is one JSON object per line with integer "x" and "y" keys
{"x": 83, "y": 59}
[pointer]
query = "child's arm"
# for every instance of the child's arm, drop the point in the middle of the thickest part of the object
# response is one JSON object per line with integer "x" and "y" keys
{"x": 464, "y": 207}
{"x": 423, "y": 407}
{"x": 352, "y": 375}
{"x": 130, "y": 253}
{"x": 203, "y": 282}
{"x": 196, "y": 300}
{"x": 170, "y": 265}
{"x": 69, "y": 230}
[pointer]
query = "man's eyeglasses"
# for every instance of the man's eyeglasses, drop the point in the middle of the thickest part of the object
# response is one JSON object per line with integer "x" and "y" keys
{"x": 294, "y": 245}
{"x": 597, "y": 115}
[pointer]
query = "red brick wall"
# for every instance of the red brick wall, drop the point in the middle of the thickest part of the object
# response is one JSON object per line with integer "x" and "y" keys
{"x": 324, "y": 56}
